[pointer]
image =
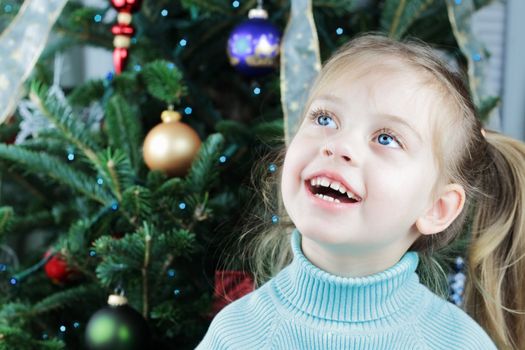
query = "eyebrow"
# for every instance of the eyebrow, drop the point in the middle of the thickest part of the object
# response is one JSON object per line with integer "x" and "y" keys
{"x": 390, "y": 117}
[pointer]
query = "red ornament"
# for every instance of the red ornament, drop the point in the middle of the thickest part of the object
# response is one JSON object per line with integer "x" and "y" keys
{"x": 230, "y": 286}
{"x": 56, "y": 268}
{"x": 129, "y": 6}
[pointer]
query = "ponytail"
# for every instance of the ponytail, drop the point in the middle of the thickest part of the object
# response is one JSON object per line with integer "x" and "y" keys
{"x": 495, "y": 295}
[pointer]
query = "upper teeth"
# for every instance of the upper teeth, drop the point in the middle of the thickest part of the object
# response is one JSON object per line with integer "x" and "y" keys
{"x": 326, "y": 182}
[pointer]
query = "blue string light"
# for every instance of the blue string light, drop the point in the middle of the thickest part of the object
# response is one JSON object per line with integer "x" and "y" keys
{"x": 76, "y": 324}
{"x": 97, "y": 18}
{"x": 164, "y": 13}
{"x": 183, "y": 42}
{"x": 476, "y": 57}
{"x": 272, "y": 168}
{"x": 71, "y": 157}
{"x": 114, "y": 206}
{"x": 170, "y": 65}
{"x": 92, "y": 253}
{"x": 257, "y": 90}
{"x": 176, "y": 292}
{"x": 110, "y": 76}
{"x": 236, "y": 4}
{"x": 100, "y": 181}
{"x": 171, "y": 273}
{"x": 223, "y": 159}
{"x": 13, "y": 281}
{"x": 3, "y": 267}
{"x": 62, "y": 328}
{"x": 275, "y": 219}
{"x": 8, "y": 8}
{"x": 182, "y": 205}
{"x": 339, "y": 31}
{"x": 45, "y": 336}
{"x": 137, "y": 68}
{"x": 188, "y": 110}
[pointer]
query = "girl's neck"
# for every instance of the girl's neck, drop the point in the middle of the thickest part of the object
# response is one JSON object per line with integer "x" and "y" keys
{"x": 344, "y": 264}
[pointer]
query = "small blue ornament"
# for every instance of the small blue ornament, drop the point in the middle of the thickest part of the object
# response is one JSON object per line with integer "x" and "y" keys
{"x": 456, "y": 299}
{"x": 456, "y": 282}
{"x": 253, "y": 45}
{"x": 460, "y": 264}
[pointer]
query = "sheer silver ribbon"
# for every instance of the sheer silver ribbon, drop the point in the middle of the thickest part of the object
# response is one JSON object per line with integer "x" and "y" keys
{"x": 300, "y": 63}
{"x": 20, "y": 47}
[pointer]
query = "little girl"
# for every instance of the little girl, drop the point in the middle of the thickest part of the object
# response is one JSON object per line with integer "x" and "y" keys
{"x": 385, "y": 166}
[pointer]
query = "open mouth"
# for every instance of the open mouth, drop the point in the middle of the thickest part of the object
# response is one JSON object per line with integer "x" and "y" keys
{"x": 331, "y": 191}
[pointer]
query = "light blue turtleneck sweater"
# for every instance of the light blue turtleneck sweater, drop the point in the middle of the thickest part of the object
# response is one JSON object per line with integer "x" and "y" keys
{"x": 304, "y": 307}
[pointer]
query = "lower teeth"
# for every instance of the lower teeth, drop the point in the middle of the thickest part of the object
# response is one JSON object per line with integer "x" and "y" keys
{"x": 328, "y": 198}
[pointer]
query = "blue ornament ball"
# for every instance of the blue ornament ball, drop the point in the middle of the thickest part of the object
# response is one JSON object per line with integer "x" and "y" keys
{"x": 253, "y": 46}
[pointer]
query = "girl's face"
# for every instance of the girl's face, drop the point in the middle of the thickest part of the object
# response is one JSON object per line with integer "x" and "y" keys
{"x": 368, "y": 135}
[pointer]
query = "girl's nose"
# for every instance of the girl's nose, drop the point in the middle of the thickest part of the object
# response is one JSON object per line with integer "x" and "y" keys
{"x": 336, "y": 150}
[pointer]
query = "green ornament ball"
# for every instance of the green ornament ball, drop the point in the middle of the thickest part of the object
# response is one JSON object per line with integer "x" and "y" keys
{"x": 117, "y": 327}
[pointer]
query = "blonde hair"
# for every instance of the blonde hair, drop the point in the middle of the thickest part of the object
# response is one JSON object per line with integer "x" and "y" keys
{"x": 491, "y": 169}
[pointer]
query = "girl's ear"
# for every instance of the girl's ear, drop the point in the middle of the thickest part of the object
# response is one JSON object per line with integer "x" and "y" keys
{"x": 443, "y": 210}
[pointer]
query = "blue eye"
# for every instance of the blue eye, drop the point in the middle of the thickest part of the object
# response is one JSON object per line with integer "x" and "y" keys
{"x": 386, "y": 140}
{"x": 325, "y": 120}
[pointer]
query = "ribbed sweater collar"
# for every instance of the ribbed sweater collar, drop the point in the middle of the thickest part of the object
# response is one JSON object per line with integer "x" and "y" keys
{"x": 318, "y": 293}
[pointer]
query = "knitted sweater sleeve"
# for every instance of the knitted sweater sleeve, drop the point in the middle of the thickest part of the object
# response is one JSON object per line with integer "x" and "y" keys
{"x": 246, "y": 323}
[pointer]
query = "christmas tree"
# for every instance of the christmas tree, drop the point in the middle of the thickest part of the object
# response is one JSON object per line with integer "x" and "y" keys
{"x": 86, "y": 180}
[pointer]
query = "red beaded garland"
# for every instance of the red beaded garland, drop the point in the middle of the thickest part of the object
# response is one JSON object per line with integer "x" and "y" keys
{"x": 123, "y": 31}
{"x": 129, "y": 6}
{"x": 120, "y": 56}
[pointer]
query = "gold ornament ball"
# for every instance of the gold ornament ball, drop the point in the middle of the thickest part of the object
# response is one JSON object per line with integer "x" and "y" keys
{"x": 171, "y": 145}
